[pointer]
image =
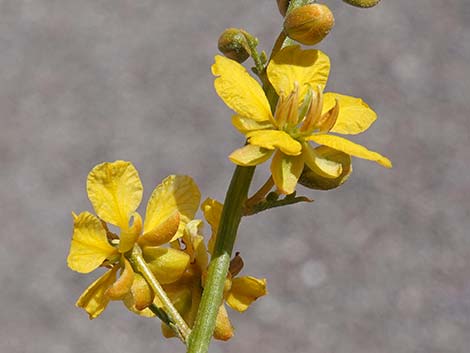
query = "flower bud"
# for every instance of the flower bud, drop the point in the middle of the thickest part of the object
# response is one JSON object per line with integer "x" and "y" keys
{"x": 309, "y": 24}
{"x": 283, "y": 5}
{"x": 312, "y": 180}
{"x": 362, "y": 3}
{"x": 232, "y": 43}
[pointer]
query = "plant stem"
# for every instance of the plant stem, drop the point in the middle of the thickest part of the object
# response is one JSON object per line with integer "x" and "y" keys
{"x": 182, "y": 329}
{"x": 211, "y": 300}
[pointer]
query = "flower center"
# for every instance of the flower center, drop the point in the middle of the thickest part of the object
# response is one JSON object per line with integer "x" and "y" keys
{"x": 304, "y": 118}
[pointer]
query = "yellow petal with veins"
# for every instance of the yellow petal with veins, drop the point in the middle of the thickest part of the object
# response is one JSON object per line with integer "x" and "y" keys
{"x": 129, "y": 236}
{"x": 141, "y": 293}
{"x": 123, "y": 285}
{"x": 212, "y": 210}
{"x": 272, "y": 139}
{"x": 167, "y": 264}
{"x": 115, "y": 191}
{"x": 175, "y": 193}
{"x": 286, "y": 171}
{"x": 322, "y": 166}
{"x": 93, "y": 299}
{"x": 309, "y": 68}
{"x": 250, "y": 155}
{"x": 351, "y": 148}
{"x": 354, "y": 117}
{"x": 245, "y": 290}
{"x": 90, "y": 246}
{"x": 162, "y": 233}
{"x": 241, "y": 92}
{"x": 245, "y": 125}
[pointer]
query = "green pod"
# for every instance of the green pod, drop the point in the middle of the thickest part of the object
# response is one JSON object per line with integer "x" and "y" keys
{"x": 312, "y": 180}
{"x": 309, "y": 24}
{"x": 233, "y": 44}
{"x": 362, "y": 3}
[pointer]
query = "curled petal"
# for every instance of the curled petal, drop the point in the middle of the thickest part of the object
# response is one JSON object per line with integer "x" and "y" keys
{"x": 162, "y": 233}
{"x": 241, "y": 92}
{"x": 245, "y": 290}
{"x": 326, "y": 168}
{"x": 123, "y": 285}
{"x": 272, "y": 139}
{"x": 245, "y": 125}
{"x": 250, "y": 155}
{"x": 115, "y": 191}
{"x": 313, "y": 180}
{"x": 354, "y": 117}
{"x": 309, "y": 68}
{"x": 351, "y": 148}
{"x": 175, "y": 193}
{"x": 167, "y": 264}
{"x": 93, "y": 299}
{"x": 90, "y": 246}
{"x": 286, "y": 171}
{"x": 223, "y": 327}
{"x": 212, "y": 210}
{"x": 129, "y": 236}
{"x": 141, "y": 292}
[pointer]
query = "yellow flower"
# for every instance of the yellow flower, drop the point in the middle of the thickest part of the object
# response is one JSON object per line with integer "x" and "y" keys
{"x": 303, "y": 114}
{"x": 115, "y": 191}
{"x": 186, "y": 293}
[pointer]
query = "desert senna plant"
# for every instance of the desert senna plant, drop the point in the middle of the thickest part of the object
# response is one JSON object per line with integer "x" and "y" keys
{"x": 161, "y": 265}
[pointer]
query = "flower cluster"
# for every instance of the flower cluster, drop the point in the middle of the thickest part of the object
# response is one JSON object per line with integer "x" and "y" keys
{"x": 115, "y": 191}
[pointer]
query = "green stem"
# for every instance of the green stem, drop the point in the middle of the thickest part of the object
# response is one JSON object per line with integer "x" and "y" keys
{"x": 204, "y": 325}
{"x": 179, "y": 325}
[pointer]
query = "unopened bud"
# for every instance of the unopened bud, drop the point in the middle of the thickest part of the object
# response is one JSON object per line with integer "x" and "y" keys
{"x": 309, "y": 24}
{"x": 312, "y": 180}
{"x": 283, "y": 5}
{"x": 362, "y": 3}
{"x": 233, "y": 44}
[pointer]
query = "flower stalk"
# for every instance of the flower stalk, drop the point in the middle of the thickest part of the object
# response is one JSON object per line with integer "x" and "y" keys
{"x": 236, "y": 196}
{"x": 177, "y": 322}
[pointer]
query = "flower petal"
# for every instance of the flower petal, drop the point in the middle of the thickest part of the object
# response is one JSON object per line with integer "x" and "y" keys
{"x": 115, "y": 191}
{"x": 129, "y": 236}
{"x": 272, "y": 139}
{"x": 141, "y": 293}
{"x": 245, "y": 125}
{"x": 162, "y": 233}
{"x": 286, "y": 171}
{"x": 123, "y": 285}
{"x": 324, "y": 167}
{"x": 354, "y": 116}
{"x": 223, "y": 327}
{"x": 245, "y": 290}
{"x": 250, "y": 155}
{"x": 314, "y": 180}
{"x": 212, "y": 210}
{"x": 90, "y": 246}
{"x": 93, "y": 299}
{"x": 195, "y": 246}
{"x": 309, "y": 68}
{"x": 351, "y": 148}
{"x": 241, "y": 92}
{"x": 167, "y": 264}
{"x": 175, "y": 193}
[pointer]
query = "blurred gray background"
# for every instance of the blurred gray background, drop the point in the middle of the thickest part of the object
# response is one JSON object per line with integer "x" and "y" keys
{"x": 381, "y": 265}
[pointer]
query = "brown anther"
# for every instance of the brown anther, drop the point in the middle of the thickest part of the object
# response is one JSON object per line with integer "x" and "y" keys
{"x": 236, "y": 265}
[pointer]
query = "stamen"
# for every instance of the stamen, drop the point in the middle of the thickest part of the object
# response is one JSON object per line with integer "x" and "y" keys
{"x": 328, "y": 120}
{"x": 314, "y": 112}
